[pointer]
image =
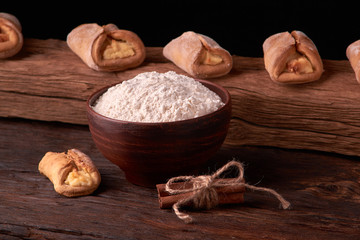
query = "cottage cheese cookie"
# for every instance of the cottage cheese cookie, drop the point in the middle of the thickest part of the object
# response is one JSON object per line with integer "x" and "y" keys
{"x": 72, "y": 173}
{"x": 353, "y": 54}
{"x": 292, "y": 58}
{"x": 106, "y": 48}
{"x": 198, "y": 55}
{"x": 11, "y": 38}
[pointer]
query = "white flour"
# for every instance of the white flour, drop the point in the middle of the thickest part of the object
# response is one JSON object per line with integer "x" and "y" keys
{"x": 157, "y": 97}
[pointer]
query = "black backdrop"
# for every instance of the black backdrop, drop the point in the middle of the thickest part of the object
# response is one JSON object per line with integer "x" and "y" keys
{"x": 238, "y": 26}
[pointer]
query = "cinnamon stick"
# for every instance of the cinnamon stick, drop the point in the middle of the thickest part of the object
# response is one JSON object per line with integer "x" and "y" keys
{"x": 226, "y": 194}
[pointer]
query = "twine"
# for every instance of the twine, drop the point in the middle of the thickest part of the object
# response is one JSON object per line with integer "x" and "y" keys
{"x": 205, "y": 195}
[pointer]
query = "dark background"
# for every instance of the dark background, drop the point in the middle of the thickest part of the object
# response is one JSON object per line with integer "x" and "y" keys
{"x": 238, "y": 26}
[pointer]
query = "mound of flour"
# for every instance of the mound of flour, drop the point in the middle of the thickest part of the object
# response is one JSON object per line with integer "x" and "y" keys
{"x": 157, "y": 97}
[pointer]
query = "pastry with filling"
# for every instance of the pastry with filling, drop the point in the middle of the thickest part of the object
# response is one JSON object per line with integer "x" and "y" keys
{"x": 11, "y": 38}
{"x": 106, "y": 48}
{"x": 292, "y": 58}
{"x": 73, "y": 173}
{"x": 353, "y": 54}
{"x": 198, "y": 55}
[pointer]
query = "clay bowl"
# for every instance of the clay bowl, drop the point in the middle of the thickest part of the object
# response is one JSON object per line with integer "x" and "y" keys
{"x": 151, "y": 153}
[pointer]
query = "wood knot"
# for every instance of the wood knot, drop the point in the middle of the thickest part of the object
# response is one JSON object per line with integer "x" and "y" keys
{"x": 340, "y": 189}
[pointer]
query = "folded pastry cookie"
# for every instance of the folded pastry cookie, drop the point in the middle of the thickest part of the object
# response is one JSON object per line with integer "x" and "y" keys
{"x": 11, "y": 38}
{"x": 353, "y": 54}
{"x": 292, "y": 58}
{"x": 198, "y": 55}
{"x": 106, "y": 48}
{"x": 72, "y": 173}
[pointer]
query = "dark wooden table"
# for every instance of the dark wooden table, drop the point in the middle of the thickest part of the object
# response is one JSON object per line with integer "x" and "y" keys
{"x": 324, "y": 191}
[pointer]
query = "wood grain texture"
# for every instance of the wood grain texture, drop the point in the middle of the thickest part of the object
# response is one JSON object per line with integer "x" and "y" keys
{"x": 46, "y": 81}
{"x": 323, "y": 189}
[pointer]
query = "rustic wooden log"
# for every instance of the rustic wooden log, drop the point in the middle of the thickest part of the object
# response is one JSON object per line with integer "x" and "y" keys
{"x": 46, "y": 81}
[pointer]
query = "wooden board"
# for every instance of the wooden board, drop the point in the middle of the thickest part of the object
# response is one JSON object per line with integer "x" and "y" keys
{"x": 323, "y": 189}
{"x": 47, "y": 81}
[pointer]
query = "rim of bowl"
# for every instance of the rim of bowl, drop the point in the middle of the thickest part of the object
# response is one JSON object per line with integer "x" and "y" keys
{"x": 103, "y": 89}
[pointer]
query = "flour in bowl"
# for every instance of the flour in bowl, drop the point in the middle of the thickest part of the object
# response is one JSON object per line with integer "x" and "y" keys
{"x": 157, "y": 97}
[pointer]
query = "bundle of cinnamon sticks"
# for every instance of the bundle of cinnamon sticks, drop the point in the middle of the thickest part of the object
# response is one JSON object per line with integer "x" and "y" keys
{"x": 226, "y": 194}
{"x": 207, "y": 191}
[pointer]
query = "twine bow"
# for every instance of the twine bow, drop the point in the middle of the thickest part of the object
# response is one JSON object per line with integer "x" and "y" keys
{"x": 205, "y": 195}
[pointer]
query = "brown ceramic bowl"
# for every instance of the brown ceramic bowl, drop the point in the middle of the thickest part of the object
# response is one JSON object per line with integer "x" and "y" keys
{"x": 151, "y": 153}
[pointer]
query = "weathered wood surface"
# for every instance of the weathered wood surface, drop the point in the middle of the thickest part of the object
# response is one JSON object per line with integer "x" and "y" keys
{"x": 324, "y": 191}
{"x": 46, "y": 81}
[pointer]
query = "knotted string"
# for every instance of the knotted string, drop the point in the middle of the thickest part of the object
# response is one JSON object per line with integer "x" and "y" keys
{"x": 205, "y": 195}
